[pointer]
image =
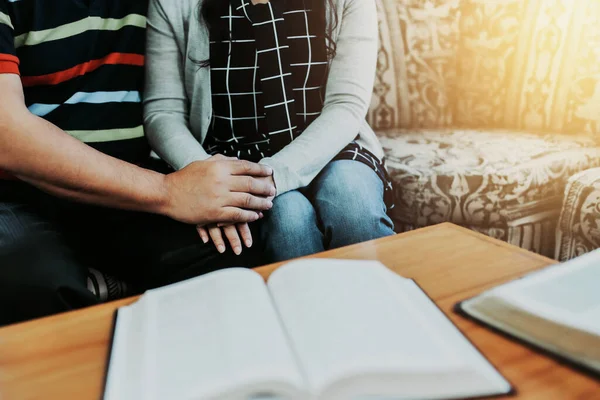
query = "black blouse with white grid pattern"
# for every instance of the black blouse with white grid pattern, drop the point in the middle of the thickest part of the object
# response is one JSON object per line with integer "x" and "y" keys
{"x": 269, "y": 67}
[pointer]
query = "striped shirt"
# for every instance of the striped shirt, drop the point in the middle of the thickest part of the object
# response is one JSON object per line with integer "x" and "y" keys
{"x": 81, "y": 66}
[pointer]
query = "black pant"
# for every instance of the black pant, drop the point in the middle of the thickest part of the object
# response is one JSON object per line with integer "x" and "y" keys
{"x": 47, "y": 244}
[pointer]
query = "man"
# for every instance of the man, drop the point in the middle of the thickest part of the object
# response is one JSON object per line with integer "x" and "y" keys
{"x": 74, "y": 193}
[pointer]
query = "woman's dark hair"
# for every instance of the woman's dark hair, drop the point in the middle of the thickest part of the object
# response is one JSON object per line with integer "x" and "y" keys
{"x": 211, "y": 10}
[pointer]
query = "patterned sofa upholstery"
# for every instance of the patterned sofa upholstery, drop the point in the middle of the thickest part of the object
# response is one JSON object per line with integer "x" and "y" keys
{"x": 579, "y": 226}
{"x": 486, "y": 108}
{"x": 508, "y": 189}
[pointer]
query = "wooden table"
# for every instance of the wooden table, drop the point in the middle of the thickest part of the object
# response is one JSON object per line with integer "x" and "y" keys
{"x": 64, "y": 357}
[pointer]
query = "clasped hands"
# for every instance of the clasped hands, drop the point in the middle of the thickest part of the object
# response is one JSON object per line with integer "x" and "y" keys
{"x": 238, "y": 235}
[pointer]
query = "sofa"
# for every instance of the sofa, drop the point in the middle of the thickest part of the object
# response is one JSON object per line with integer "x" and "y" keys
{"x": 486, "y": 109}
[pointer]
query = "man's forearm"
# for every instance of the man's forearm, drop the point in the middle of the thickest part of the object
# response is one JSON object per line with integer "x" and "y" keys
{"x": 154, "y": 202}
{"x": 40, "y": 153}
{"x": 63, "y": 166}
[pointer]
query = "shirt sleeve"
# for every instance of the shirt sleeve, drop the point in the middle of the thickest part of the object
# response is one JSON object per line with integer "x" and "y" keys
{"x": 9, "y": 63}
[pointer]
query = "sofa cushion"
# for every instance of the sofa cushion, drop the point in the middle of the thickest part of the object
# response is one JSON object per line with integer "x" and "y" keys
{"x": 481, "y": 178}
{"x": 579, "y": 226}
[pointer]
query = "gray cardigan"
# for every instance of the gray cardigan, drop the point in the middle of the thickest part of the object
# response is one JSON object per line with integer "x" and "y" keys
{"x": 178, "y": 105}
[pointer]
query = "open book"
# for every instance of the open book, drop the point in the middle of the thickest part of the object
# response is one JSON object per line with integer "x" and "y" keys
{"x": 556, "y": 309}
{"x": 320, "y": 329}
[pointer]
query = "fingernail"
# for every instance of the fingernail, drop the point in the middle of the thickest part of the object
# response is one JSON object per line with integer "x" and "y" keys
{"x": 221, "y": 249}
{"x": 237, "y": 250}
{"x": 205, "y": 240}
{"x": 270, "y": 204}
{"x": 261, "y": 215}
{"x": 273, "y": 191}
{"x": 248, "y": 243}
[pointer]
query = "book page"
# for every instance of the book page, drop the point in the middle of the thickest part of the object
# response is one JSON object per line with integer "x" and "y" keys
{"x": 127, "y": 356}
{"x": 567, "y": 293}
{"x": 347, "y": 319}
{"x": 216, "y": 334}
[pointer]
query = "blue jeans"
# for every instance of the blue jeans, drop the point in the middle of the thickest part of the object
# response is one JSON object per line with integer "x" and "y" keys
{"x": 342, "y": 206}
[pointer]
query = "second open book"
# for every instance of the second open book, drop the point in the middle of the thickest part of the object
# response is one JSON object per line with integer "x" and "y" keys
{"x": 320, "y": 329}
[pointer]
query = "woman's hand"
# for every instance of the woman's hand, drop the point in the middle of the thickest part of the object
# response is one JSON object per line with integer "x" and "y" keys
{"x": 235, "y": 234}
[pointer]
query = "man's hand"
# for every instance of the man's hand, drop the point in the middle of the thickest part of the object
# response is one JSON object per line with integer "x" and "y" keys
{"x": 232, "y": 232}
{"x": 219, "y": 190}
{"x": 267, "y": 180}
{"x": 235, "y": 233}
{"x": 270, "y": 181}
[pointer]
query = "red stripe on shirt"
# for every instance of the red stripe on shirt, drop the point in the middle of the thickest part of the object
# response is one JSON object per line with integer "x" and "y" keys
{"x": 9, "y": 64}
{"x": 82, "y": 69}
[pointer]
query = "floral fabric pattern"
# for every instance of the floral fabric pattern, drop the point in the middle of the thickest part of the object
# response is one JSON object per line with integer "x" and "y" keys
{"x": 490, "y": 180}
{"x": 530, "y": 64}
{"x": 417, "y": 61}
{"x": 486, "y": 109}
{"x": 579, "y": 226}
{"x": 512, "y": 64}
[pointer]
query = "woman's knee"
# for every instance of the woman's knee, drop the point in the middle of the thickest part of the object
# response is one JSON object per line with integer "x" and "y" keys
{"x": 346, "y": 227}
{"x": 292, "y": 214}
{"x": 350, "y": 204}
{"x": 290, "y": 229}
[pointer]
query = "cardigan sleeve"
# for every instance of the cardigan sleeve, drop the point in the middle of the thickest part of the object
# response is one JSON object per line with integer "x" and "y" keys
{"x": 349, "y": 89}
{"x": 166, "y": 106}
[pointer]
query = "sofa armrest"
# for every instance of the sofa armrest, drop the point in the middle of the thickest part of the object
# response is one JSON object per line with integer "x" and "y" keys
{"x": 578, "y": 229}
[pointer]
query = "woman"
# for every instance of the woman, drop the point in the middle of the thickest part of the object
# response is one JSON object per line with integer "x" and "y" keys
{"x": 286, "y": 83}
